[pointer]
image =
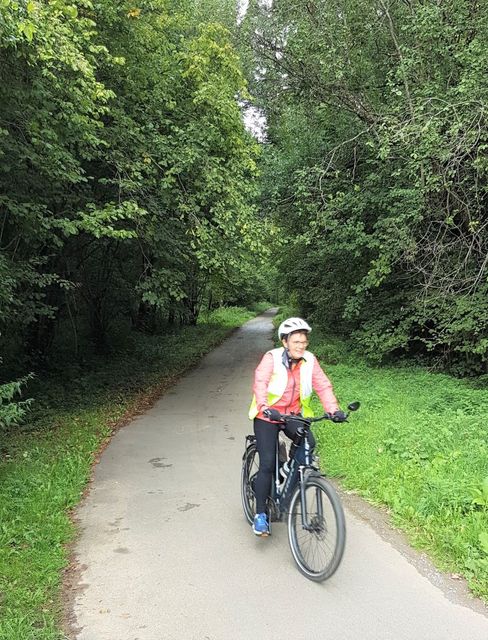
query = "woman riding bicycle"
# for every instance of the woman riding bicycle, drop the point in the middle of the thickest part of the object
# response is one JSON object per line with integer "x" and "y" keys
{"x": 283, "y": 383}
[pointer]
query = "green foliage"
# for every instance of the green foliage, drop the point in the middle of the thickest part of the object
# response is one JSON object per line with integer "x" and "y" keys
{"x": 12, "y": 411}
{"x": 376, "y": 171}
{"x": 226, "y": 316}
{"x": 182, "y": 153}
{"x": 126, "y": 174}
{"x": 417, "y": 445}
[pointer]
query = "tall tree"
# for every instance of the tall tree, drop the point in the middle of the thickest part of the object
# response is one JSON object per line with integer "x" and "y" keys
{"x": 377, "y": 167}
{"x": 126, "y": 173}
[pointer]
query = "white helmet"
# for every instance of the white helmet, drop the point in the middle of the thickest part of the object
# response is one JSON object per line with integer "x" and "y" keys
{"x": 292, "y": 324}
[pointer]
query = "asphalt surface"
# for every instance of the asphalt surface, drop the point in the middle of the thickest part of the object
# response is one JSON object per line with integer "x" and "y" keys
{"x": 165, "y": 553}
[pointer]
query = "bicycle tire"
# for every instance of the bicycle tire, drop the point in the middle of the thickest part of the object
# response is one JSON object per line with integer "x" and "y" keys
{"x": 317, "y": 553}
{"x": 250, "y": 465}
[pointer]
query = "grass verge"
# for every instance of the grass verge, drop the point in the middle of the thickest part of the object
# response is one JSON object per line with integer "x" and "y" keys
{"x": 419, "y": 446}
{"x": 45, "y": 467}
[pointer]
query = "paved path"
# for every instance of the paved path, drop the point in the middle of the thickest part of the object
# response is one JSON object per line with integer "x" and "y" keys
{"x": 165, "y": 552}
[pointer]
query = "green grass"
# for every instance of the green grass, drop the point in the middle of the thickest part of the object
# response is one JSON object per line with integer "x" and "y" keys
{"x": 45, "y": 466}
{"x": 419, "y": 446}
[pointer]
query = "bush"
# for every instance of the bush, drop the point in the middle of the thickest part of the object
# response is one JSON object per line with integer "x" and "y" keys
{"x": 12, "y": 412}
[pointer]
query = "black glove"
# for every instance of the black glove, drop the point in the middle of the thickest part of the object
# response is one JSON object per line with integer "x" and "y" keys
{"x": 272, "y": 414}
{"x": 339, "y": 416}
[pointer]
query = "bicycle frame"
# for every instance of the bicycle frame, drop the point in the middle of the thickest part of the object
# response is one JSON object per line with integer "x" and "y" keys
{"x": 282, "y": 494}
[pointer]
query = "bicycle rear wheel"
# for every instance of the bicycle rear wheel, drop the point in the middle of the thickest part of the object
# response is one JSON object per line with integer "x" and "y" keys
{"x": 318, "y": 549}
{"x": 250, "y": 466}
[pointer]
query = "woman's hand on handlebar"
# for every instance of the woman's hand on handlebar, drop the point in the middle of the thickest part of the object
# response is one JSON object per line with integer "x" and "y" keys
{"x": 276, "y": 416}
{"x": 273, "y": 414}
{"x": 337, "y": 416}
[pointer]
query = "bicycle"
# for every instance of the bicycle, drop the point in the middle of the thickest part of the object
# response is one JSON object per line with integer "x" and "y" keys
{"x": 316, "y": 522}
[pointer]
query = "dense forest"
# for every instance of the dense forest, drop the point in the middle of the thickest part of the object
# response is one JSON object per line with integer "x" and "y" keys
{"x": 127, "y": 178}
{"x": 375, "y": 168}
{"x": 132, "y": 195}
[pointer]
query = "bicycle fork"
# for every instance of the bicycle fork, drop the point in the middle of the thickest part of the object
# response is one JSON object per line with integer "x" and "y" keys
{"x": 304, "y": 473}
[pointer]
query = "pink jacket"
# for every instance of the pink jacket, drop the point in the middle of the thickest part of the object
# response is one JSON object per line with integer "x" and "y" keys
{"x": 290, "y": 400}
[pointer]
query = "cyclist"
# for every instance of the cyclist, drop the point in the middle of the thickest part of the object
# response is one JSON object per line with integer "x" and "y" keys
{"x": 283, "y": 383}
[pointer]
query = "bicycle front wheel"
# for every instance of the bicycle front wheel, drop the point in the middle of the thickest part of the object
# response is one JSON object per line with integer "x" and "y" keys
{"x": 250, "y": 466}
{"x": 316, "y": 529}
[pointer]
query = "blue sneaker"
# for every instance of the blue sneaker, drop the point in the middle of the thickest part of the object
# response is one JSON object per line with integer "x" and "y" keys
{"x": 260, "y": 525}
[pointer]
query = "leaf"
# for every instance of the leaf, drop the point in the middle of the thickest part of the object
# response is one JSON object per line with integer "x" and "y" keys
{"x": 483, "y": 538}
{"x": 31, "y": 7}
{"x": 134, "y": 13}
{"x": 71, "y": 11}
{"x": 484, "y": 487}
{"x": 28, "y": 29}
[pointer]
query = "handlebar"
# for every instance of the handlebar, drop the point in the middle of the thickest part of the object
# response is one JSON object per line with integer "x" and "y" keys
{"x": 284, "y": 417}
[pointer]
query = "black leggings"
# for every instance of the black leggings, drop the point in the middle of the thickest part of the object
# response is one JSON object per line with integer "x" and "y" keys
{"x": 266, "y": 434}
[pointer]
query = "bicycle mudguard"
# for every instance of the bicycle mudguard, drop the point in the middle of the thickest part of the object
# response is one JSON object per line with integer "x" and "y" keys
{"x": 250, "y": 440}
{"x": 311, "y": 472}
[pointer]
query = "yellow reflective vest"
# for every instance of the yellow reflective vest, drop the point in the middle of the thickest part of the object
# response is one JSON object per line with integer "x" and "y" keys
{"x": 279, "y": 380}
